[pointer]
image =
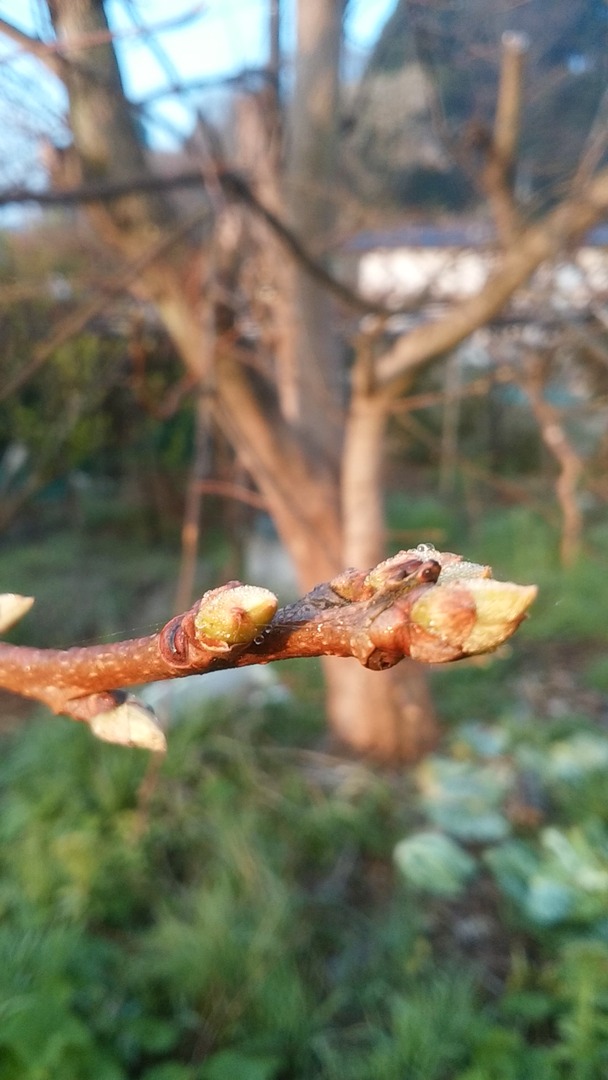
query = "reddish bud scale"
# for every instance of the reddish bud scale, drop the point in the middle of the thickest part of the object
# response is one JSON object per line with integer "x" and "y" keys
{"x": 432, "y": 606}
{"x": 442, "y": 638}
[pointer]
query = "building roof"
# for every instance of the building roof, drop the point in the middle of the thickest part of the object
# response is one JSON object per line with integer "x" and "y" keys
{"x": 465, "y": 234}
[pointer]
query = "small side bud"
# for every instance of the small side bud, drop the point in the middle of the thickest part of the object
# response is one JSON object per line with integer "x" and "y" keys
{"x": 12, "y": 608}
{"x": 130, "y": 724}
{"x": 235, "y": 616}
{"x": 350, "y": 585}
{"x": 402, "y": 573}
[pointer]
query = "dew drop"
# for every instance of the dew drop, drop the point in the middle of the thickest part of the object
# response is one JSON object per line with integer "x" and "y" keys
{"x": 425, "y": 549}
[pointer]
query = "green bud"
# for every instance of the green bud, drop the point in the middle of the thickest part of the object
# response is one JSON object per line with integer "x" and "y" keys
{"x": 467, "y": 616}
{"x": 235, "y": 616}
{"x": 500, "y": 607}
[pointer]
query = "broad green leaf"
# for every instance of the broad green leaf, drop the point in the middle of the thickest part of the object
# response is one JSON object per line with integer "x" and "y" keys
{"x": 465, "y": 799}
{"x": 434, "y": 862}
{"x": 549, "y": 901}
{"x": 573, "y": 759}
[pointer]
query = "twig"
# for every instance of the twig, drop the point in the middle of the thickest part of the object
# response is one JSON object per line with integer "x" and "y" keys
{"x": 433, "y": 606}
{"x": 234, "y": 186}
{"x": 555, "y": 438}
{"x": 77, "y": 320}
{"x": 47, "y": 51}
{"x": 228, "y": 490}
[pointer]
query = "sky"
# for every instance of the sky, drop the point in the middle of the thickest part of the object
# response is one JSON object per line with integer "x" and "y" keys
{"x": 228, "y": 35}
{"x": 224, "y": 37}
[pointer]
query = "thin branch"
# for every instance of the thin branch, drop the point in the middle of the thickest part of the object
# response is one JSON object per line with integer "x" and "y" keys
{"x": 47, "y": 51}
{"x": 191, "y": 523}
{"x": 77, "y": 320}
{"x": 561, "y": 227}
{"x": 479, "y": 387}
{"x": 497, "y": 177}
{"x": 186, "y": 86}
{"x": 228, "y": 490}
{"x": 148, "y": 34}
{"x": 595, "y": 145}
{"x": 508, "y": 106}
{"x": 28, "y": 44}
{"x": 234, "y": 186}
{"x": 555, "y": 438}
{"x": 433, "y": 606}
{"x": 55, "y": 56}
{"x": 511, "y": 489}
{"x": 173, "y": 394}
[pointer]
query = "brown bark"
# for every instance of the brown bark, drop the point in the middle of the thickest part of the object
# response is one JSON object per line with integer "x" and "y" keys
{"x": 272, "y": 277}
{"x": 301, "y": 496}
{"x": 536, "y": 244}
{"x": 392, "y": 719}
{"x": 310, "y": 178}
{"x": 498, "y": 174}
{"x": 556, "y": 440}
{"x": 395, "y": 719}
{"x": 295, "y": 468}
{"x": 103, "y": 128}
{"x": 423, "y": 603}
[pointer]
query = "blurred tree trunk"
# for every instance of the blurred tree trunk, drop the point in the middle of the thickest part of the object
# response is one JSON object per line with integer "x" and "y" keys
{"x": 296, "y": 449}
{"x": 309, "y": 431}
{"x": 310, "y": 175}
{"x": 392, "y": 716}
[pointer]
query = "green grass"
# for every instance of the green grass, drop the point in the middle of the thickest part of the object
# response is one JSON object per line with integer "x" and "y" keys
{"x": 86, "y": 588}
{"x": 241, "y": 915}
{"x": 236, "y": 911}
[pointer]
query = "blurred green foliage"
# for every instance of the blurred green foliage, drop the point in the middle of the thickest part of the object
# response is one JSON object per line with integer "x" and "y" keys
{"x": 228, "y": 924}
{"x": 89, "y": 420}
{"x": 237, "y": 915}
{"x": 265, "y": 909}
{"x": 548, "y": 863}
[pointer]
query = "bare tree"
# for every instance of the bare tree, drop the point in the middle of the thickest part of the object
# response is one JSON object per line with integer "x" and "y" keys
{"x": 307, "y": 427}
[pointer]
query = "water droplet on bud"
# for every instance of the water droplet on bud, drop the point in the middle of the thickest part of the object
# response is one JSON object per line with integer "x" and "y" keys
{"x": 425, "y": 549}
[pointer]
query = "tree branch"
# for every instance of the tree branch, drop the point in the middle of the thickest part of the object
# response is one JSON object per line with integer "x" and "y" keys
{"x": 32, "y": 45}
{"x": 48, "y": 51}
{"x": 75, "y": 321}
{"x": 433, "y": 606}
{"x": 563, "y": 226}
{"x": 498, "y": 173}
{"x": 532, "y": 379}
{"x": 234, "y": 186}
